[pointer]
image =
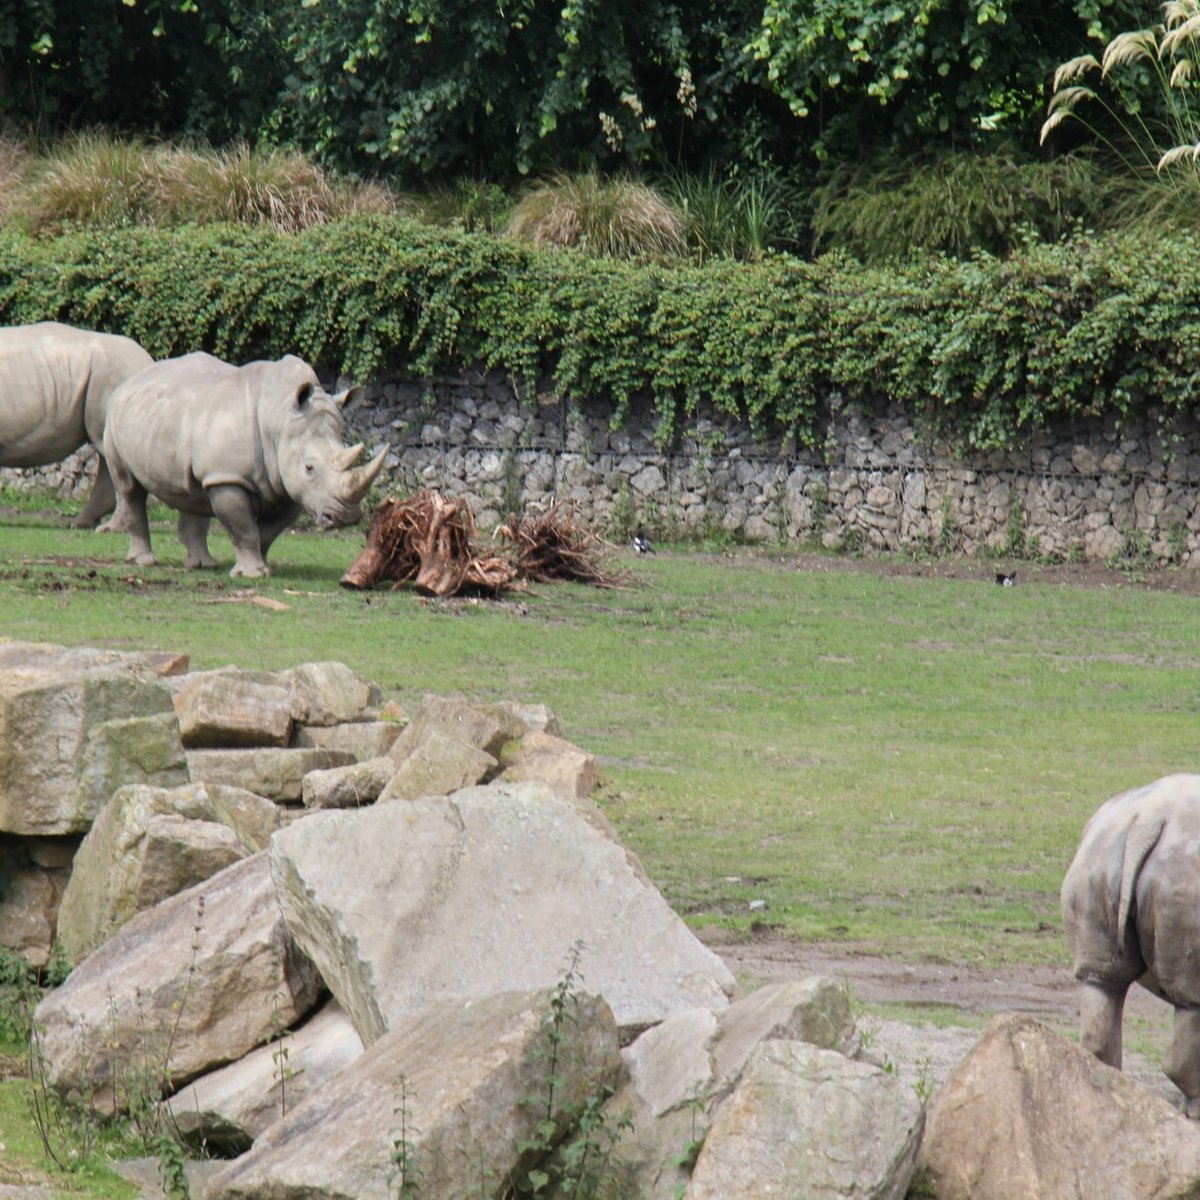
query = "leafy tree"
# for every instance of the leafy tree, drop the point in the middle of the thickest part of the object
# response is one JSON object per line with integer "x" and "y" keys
{"x": 212, "y": 68}
{"x": 945, "y": 72}
{"x": 511, "y": 86}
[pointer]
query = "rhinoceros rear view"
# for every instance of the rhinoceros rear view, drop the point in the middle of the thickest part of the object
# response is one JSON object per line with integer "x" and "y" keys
{"x": 254, "y": 446}
{"x": 1131, "y": 912}
{"x": 55, "y": 385}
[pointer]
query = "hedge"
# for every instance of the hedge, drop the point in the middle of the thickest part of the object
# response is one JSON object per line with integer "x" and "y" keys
{"x": 986, "y": 350}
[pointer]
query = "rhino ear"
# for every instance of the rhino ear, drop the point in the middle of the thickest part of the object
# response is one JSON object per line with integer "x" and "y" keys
{"x": 351, "y": 398}
{"x": 304, "y": 395}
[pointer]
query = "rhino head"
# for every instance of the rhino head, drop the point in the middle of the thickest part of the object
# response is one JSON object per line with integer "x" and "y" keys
{"x": 317, "y": 469}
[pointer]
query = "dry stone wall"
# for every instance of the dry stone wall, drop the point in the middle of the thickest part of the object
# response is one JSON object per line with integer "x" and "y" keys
{"x": 1090, "y": 490}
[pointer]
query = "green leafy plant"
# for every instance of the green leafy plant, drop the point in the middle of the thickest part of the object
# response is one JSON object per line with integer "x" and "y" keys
{"x": 579, "y": 1168}
{"x": 405, "y": 1172}
{"x": 698, "y": 1106}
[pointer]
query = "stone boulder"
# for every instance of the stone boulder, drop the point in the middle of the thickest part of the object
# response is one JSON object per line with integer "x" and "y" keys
{"x": 149, "y": 843}
{"x": 232, "y": 708}
{"x": 505, "y": 878}
{"x": 808, "y": 1122}
{"x": 33, "y": 875}
{"x": 75, "y": 724}
{"x": 197, "y": 981}
{"x": 570, "y": 771}
{"x": 1029, "y": 1115}
{"x": 347, "y": 787}
{"x": 228, "y": 1109}
{"x": 272, "y": 771}
{"x": 328, "y": 693}
{"x": 680, "y": 1074}
{"x": 363, "y": 739}
{"x": 452, "y": 1083}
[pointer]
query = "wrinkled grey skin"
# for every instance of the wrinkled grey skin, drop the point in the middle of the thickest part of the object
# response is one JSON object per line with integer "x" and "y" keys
{"x": 253, "y": 446}
{"x": 55, "y": 384}
{"x": 1131, "y": 908}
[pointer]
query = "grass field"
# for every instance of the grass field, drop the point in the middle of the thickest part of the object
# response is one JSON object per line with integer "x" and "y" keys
{"x": 896, "y": 763}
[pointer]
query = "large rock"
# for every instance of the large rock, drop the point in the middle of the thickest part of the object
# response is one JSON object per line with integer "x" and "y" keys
{"x": 363, "y": 739}
{"x": 195, "y": 982}
{"x": 270, "y": 771}
{"x": 75, "y": 724}
{"x": 1028, "y": 1115}
{"x": 454, "y": 1084}
{"x": 30, "y": 894}
{"x": 228, "y": 1108}
{"x": 808, "y": 1122}
{"x": 436, "y": 762}
{"x": 233, "y": 708}
{"x": 486, "y": 729}
{"x": 570, "y": 771}
{"x": 347, "y": 787}
{"x": 326, "y": 693}
{"x": 680, "y": 1073}
{"x": 150, "y": 843}
{"x": 505, "y": 878}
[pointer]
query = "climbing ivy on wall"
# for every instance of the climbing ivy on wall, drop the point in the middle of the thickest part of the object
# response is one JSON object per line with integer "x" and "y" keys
{"x": 985, "y": 350}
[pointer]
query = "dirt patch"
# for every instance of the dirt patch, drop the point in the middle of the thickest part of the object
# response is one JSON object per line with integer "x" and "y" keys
{"x": 951, "y": 1005}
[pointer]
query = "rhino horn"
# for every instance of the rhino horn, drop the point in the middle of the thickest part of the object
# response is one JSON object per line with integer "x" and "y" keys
{"x": 358, "y": 481}
{"x": 345, "y": 458}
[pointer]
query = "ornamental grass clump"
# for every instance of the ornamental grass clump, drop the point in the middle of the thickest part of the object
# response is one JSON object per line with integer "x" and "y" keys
{"x": 93, "y": 179}
{"x": 1142, "y": 109}
{"x": 614, "y": 217}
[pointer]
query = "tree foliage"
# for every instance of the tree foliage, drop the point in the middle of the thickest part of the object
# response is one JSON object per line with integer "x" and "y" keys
{"x": 435, "y": 88}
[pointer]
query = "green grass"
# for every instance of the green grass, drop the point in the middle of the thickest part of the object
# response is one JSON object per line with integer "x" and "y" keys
{"x": 899, "y": 764}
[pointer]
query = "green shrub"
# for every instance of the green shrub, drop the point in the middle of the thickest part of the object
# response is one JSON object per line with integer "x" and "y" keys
{"x": 956, "y": 204}
{"x": 616, "y": 217}
{"x": 985, "y": 349}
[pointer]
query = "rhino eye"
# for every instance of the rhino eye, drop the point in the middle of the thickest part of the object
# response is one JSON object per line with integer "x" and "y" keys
{"x": 310, "y": 469}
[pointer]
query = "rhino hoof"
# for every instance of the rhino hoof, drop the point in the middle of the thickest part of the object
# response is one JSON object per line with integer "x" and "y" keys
{"x": 205, "y": 564}
{"x": 250, "y": 572}
{"x": 142, "y": 560}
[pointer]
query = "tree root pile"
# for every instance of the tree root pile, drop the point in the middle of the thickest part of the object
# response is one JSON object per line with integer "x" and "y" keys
{"x": 428, "y": 541}
{"x": 553, "y": 547}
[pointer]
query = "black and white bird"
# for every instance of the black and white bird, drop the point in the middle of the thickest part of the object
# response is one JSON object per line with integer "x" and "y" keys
{"x": 1006, "y": 580}
{"x": 641, "y": 543}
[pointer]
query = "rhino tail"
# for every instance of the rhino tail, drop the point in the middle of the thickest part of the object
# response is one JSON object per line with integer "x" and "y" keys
{"x": 1140, "y": 841}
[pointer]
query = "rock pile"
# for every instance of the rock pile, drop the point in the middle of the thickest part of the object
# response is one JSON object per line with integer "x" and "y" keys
{"x": 354, "y": 951}
{"x": 293, "y": 908}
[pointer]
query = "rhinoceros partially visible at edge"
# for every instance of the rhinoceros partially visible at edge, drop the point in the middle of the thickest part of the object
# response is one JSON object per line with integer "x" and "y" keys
{"x": 55, "y": 385}
{"x": 254, "y": 446}
{"x": 1131, "y": 908}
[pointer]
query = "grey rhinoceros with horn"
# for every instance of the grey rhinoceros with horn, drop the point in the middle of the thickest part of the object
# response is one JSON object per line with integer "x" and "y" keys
{"x": 1131, "y": 909}
{"x": 55, "y": 385}
{"x": 253, "y": 446}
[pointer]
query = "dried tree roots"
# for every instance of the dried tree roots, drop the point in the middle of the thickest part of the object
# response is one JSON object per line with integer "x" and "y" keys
{"x": 428, "y": 541}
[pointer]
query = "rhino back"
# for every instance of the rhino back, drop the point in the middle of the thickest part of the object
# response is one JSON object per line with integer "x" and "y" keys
{"x": 1116, "y": 894}
{"x": 55, "y": 385}
{"x": 195, "y": 422}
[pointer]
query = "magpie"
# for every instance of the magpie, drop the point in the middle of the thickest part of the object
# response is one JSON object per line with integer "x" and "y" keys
{"x": 641, "y": 543}
{"x": 1006, "y": 580}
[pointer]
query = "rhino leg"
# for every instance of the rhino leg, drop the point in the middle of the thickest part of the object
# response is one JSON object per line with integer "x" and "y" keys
{"x": 1182, "y": 1060}
{"x": 1100, "y": 1009}
{"x": 131, "y": 517}
{"x": 270, "y": 529}
{"x": 100, "y": 503}
{"x": 232, "y": 507}
{"x": 193, "y": 533}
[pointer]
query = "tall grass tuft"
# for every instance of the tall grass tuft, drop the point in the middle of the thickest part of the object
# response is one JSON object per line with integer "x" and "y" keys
{"x": 14, "y": 151}
{"x": 614, "y": 217}
{"x": 956, "y": 204}
{"x": 1138, "y": 104}
{"x": 95, "y": 179}
{"x": 741, "y": 217}
{"x": 89, "y": 178}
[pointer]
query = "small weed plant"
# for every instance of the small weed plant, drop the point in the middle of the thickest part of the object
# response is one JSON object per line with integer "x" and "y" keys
{"x": 579, "y": 1167}
{"x": 685, "y": 1160}
{"x": 404, "y": 1176}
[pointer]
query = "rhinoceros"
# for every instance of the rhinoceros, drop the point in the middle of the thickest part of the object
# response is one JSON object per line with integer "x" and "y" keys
{"x": 1131, "y": 910}
{"x": 254, "y": 445}
{"x": 55, "y": 384}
